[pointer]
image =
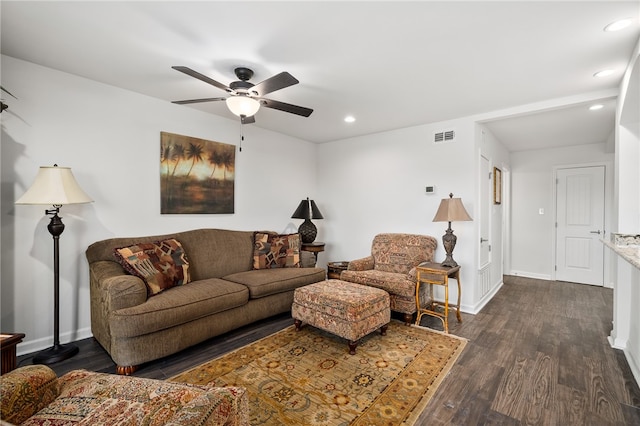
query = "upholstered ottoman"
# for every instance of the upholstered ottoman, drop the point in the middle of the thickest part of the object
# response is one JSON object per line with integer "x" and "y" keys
{"x": 345, "y": 309}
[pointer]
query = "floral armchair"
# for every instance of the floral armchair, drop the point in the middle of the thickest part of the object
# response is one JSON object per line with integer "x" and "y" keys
{"x": 35, "y": 395}
{"x": 392, "y": 267}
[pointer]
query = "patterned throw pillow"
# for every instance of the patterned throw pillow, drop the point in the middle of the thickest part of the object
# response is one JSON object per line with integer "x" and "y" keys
{"x": 161, "y": 264}
{"x": 273, "y": 250}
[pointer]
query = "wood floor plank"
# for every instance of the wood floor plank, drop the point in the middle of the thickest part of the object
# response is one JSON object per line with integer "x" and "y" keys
{"x": 569, "y": 407}
{"x": 601, "y": 401}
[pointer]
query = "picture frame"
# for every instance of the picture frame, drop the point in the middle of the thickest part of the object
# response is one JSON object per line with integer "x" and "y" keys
{"x": 197, "y": 176}
{"x": 497, "y": 186}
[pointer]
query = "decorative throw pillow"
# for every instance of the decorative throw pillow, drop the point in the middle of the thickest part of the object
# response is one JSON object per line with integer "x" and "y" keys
{"x": 273, "y": 250}
{"x": 160, "y": 264}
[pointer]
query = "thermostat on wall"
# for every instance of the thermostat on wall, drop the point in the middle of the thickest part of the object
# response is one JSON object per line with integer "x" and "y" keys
{"x": 430, "y": 189}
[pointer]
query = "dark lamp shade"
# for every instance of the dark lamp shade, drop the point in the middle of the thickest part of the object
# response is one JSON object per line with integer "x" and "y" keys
{"x": 451, "y": 210}
{"x": 307, "y": 209}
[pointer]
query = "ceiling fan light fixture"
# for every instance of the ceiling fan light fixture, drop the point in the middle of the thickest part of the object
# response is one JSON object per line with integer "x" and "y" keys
{"x": 242, "y": 105}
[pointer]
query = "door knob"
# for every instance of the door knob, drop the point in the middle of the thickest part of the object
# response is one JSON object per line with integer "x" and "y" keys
{"x": 595, "y": 232}
{"x": 482, "y": 240}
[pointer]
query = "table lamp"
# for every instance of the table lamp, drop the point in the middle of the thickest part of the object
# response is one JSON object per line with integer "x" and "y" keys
{"x": 55, "y": 186}
{"x": 307, "y": 210}
{"x": 450, "y": 210}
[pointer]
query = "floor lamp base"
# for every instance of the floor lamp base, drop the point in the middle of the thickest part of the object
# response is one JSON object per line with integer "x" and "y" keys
{"x": 55, "y": 354}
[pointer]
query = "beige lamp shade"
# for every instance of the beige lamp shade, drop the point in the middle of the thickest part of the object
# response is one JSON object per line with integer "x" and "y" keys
{"x": 54, "y": 186}
{"x": 451, "y": 210}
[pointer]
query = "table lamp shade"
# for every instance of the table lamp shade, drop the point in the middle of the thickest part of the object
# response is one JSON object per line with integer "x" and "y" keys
{"x": 54, "y": 186}
{"x": 451, "y": 210}
{"x": 307, "y": 209}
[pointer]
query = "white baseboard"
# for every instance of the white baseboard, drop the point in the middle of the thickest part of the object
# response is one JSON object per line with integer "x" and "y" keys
{"x": 634, "y": 365}
{"x": 526, "y": 274}
{"x": 36, "y": 345}
{"x": 481, "y": 304}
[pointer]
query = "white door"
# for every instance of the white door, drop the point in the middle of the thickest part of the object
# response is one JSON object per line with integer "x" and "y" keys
{"x": 580, "y": 225}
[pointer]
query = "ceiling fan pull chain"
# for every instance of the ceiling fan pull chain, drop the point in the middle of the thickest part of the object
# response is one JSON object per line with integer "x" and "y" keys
{"x": 241, "y": 136}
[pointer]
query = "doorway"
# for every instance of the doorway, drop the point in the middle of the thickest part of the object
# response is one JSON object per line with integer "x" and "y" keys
{"x": 580, "y": 200}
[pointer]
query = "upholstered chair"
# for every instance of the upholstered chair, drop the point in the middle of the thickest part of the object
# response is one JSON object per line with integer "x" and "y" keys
{"x": 392, "y": 267}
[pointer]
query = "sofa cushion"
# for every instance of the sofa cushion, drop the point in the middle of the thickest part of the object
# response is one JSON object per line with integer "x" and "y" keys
{"x": 266, "y": 282}
{"x": 161, "y": 265}
{"x": 273, "y": 250}
{"x": 177, "y": 306}
{"x": 391, "y": 282}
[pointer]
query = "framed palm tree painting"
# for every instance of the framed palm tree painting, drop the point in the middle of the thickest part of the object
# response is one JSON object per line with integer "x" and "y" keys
{"x": 197, "y": 176}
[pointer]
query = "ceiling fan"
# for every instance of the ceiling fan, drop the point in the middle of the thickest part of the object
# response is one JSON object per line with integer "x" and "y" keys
{"x": 246, "y": 98}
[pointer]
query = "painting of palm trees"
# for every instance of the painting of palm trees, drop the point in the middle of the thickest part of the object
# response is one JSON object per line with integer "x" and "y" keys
{"x": 197, "y": 176}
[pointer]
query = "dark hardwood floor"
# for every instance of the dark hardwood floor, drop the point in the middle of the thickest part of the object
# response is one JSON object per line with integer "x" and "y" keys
{"x": 537, "y": 355}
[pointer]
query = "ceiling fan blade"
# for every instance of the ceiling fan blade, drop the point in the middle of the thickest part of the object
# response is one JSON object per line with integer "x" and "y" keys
{"x": 195, "y": 101}
{"x": 282, "y": 106}
{"x": 247, "y": 120}
{"x": 277, "y": 82}
{"x": 201, "y": 77}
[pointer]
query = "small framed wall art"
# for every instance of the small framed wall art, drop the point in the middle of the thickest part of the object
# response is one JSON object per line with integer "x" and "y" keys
{"x": 497, "y": 186}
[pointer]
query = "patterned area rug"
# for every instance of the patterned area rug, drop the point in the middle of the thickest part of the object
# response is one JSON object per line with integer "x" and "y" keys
{"x": 309, "y": 378}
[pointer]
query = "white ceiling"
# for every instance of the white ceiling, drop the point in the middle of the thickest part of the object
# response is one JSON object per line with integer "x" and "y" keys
{"x": 389, "y": 64}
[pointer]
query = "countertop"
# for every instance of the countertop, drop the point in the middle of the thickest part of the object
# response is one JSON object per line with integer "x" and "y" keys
{"x": 630, "y": 253}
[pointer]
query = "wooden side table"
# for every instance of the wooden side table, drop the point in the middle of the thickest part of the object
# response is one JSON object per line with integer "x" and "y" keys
{"x": 432, "y": 273}
{"x": 8, "y": 342}
{"x": 334, "y": 269}
{"x": 314, "y": 247}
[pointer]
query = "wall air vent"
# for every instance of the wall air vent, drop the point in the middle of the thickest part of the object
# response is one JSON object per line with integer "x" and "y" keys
{"x": 444, "y": 136}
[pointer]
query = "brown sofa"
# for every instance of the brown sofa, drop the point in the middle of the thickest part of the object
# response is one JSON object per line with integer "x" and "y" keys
{"x": 391, "y": 266}
{"x": 225, "y": 293}
{"x": 34, "y": 395}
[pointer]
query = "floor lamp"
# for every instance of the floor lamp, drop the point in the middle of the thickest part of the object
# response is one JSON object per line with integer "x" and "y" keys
{"x": 55, "y": 186}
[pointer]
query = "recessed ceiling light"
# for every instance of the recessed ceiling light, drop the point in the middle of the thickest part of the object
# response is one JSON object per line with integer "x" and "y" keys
{"x": 349, "y": 119}
{"x": 618, "y": 25}
{"x": 596, "y": 107}
{"x": 603, "y": 73}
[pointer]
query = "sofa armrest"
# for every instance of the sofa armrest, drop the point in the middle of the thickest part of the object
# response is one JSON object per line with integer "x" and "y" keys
{"x": 115, "y": 288}
{"x": 27, "y": 390}
{"x": 364, "y": 264}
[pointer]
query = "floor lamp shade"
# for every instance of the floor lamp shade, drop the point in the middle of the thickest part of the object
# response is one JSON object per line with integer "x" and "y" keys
{"x": 55, "y": 186}
{"x": 307, "y": 210}
{"x": 450, "y": 210}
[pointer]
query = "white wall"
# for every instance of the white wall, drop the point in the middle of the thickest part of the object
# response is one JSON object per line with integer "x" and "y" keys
{"x": 532, "y": 188}
{"x": 376, "y": 183}
{"x": 111, "y": 140}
